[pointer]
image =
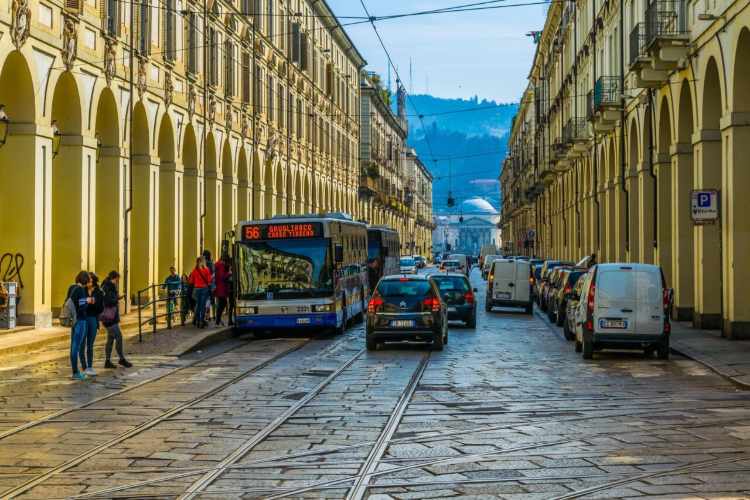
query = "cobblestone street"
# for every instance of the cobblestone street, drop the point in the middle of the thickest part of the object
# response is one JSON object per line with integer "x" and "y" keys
{"x": 507, "y": 410}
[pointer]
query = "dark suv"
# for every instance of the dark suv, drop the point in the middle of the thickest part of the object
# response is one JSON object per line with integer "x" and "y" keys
{"x": 407, "y": 308}
{"x": 458, "y": 295}
{"x": 561, "y": 292}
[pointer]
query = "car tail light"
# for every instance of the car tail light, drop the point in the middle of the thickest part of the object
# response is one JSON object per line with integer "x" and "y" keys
{"x": 531, "y": 280}
{"x": 375, "y": 303}
{"x": 433, "y": 303}
{"x": 590, "y": 307}
{"x": 469, "y": 297}
{"x": 665, "y": 298}
{"x": 567, "y": 289}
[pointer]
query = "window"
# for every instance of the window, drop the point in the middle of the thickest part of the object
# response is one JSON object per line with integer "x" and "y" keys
{"x": 270, "y": 102}
{"x": 229, "y": 68}
{"x": 257, "y": 89}
{"x": 280, "y": 99}
{"x": 245, "y": 77}
{"x": 169, "y": 31}
{"x": 192, "y": 52}
{"x": 296, "y": 44}
{"x": 271, "y": 20}
{"x": 258, "y": 14}
{"x": 213, "y": 61}
{"x": 304, "y": 50}
{"x": 299, "y": 119}
{"x": 144, "y": 28}
{"x": 113, "y": 18}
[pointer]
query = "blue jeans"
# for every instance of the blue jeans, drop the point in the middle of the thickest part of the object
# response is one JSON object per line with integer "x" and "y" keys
{"x": 77, "y": 337}
{"x": 87, "y": 349}
{"x": 200, "y": 304}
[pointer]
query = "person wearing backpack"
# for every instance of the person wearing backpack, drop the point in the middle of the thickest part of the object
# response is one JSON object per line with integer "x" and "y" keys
{"x": 110, "y": 318}
{"x": 78, "y": 302}
{"x": 223, "y": 277}
{"x": 200, "y": 279}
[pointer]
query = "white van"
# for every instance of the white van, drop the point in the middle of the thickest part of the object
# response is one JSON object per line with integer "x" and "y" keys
{"x": 623, "y": 306}
{"x": 508, "y": 285}
{"x": 463, "y": 261}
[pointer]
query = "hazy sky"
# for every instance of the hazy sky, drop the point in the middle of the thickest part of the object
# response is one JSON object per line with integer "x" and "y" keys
{"x": 484, "y": 53}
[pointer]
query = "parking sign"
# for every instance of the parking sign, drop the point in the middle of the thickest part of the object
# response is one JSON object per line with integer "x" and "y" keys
{"x": 704, "y": 206}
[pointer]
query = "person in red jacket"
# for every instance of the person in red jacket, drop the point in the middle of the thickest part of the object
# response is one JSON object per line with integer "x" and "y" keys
{"x": 200, "y": 279}
{"x": 223, "y": 290}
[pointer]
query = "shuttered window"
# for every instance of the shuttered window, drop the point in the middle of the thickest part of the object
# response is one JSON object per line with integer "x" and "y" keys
{"x": 229, "y": 68}
{"x": 73, "y": 6}
{"x": 245, "y": 77}
{"x": 170, "y": 40}
{"x": 257, "y": 89}
{"x": 144, "y": 28}
{"x": 192, "y": 51}
{"x": 304, "y": 52}
{"x": 213, "y": 60}
{"x": 258, "y": 14}
{"x": 296, "y": 44}
{"x": 270, "y": 103}
{"x": 112, "y": 18}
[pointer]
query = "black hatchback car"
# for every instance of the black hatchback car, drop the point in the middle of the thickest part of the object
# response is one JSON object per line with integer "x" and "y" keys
{"x": 458, "y": 295}
{"x": 407, "y": 308}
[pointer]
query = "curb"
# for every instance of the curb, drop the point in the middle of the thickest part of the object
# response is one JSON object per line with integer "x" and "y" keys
{"x": 710, "y": 366}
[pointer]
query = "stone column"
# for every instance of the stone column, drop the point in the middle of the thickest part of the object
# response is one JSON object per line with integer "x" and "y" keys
{"x": 663, "y": 254}
{"x": 682, "y": 231}
{"x": 642, "y": 233}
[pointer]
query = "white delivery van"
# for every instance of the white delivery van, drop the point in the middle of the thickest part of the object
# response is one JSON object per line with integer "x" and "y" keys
{"x": 508, "y": 285}
{"x": 463, "y": 262}
{"x": 623, "y": 306}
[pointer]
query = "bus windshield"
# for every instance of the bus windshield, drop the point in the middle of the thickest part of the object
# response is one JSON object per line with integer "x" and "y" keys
{"x": 284, "y": 269}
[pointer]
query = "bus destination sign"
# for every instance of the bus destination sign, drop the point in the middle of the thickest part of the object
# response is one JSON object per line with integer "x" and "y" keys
{"x": 282, "y": 231}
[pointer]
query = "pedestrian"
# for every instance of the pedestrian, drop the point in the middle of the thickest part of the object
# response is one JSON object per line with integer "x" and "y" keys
{"x": 110, "y": 318}
{"x": 96, "y": 307}
{"x": 80, "y": 301}
{"x": 223, "y": 277}
{"x": 200, "y": 279}
{"x": 211, "y": 302}
{"x": 188, "y": 302}
{"x": 173, "y": 285}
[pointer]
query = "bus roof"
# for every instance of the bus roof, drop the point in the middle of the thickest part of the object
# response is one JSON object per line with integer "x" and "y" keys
{"x": 331, "y": 217}
{"x": 381, "y": 228}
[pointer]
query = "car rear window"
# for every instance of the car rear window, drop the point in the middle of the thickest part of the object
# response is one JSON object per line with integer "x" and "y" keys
{"x": 573, "y": 277}
{"x": 616, "y": 286}
{"x": 451, "y": 283}
{"x": 408, "y": 262}
{"x": 403, "y": 288}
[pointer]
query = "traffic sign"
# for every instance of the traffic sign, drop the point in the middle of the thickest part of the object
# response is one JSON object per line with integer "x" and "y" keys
{"x": 530, "y": 234}
{"x": 704, "y": 206}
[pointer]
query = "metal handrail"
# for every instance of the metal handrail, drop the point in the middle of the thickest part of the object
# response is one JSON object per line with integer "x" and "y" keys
{"x": 150, "y": 297}
{"x": 638, "y": 43}
{"x": 665, "y": 19}
{"x": 607, "y": 92}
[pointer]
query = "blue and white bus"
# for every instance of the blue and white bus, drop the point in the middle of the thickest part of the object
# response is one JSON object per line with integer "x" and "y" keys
{"x": 295, "y": 272}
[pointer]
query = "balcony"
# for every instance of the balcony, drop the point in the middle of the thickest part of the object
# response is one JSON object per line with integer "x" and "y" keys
{"x": 367, "y": 186}
{"x": 667, "y": 35}
{"x": 606, "y": 103}
{"x": 558, "y": 153}
{"x": 576, "y": 133}
{"x": 638, "y": 54}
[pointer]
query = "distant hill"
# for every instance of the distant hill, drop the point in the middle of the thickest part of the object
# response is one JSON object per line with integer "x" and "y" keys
{"x": 472, "y": 133}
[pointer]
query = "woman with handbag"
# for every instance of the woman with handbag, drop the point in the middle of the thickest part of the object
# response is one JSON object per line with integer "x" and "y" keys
{"x": 110, "y": 318}
{"x": 200, "y": 278}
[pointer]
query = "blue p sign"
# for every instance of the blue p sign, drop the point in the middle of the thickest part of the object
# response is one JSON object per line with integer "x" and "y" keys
{"x": 704, "y": 200}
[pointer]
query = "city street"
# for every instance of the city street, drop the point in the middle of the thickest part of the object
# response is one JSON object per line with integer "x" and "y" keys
{"x": 507, "y": 410}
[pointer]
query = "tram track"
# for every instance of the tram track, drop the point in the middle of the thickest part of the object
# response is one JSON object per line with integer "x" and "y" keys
{"x": 152, "y": 422}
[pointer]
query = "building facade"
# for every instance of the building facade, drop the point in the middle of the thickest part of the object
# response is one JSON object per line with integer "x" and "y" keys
{"x": 418, "y": 201}
{"x": 631, "y": 106}
{"x": 382, "y": 181}
{"x": 134, "y": 135}
{"x": 474, "y": 226}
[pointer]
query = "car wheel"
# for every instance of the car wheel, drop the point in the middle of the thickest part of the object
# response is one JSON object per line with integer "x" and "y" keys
{"x": 663, "y": 350}
{"x": 566, "y": 332}
{"x": 551, "y": 314}
{"x": 529, "y": 308}
{"x": 487, "y": 306}
{"x": 438, "y": 342}
{"x": 560, "y": 319}
{"x": 372, "y": 344}
{"x": 472, "y": 321}
{"x": 588, "y": 349}
{"x": 579, "y": 346}
{"x": 344, "y": 321}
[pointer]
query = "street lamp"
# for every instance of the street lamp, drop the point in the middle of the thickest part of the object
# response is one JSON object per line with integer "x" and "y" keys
{"x": 4, "y": 123}
{"x": 56, "y": 139}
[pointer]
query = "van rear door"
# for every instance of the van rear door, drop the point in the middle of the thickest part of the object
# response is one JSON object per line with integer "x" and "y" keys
{"x": 615, "y": 302}
{"x": 522, "y": 288}
{"x": 505, "y": 280}
{"x": 649, "y": 317}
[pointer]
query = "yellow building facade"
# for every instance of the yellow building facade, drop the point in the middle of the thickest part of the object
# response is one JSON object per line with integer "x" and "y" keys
{"x": 135, "y": 134}
{"x": 418, "y": 200}
{"x": 630, "y": 108}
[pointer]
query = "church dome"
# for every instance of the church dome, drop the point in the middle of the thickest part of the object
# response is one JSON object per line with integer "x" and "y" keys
{"x": 478, "y": 206}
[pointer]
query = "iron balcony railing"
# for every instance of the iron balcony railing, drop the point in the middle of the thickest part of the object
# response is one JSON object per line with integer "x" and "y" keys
{"x": 666, "y": 19}
{"x": 607, "y": 92}
{"x": 590, "y": 105}
{"x": 637, "y": 43}
{"x": 575, "y": 130}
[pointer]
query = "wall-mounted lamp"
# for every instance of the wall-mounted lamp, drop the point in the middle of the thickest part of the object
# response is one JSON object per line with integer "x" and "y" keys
{"x": 4, "y": 124}
{"x": 98, "y": 148}
{"x": 56, "y": 139}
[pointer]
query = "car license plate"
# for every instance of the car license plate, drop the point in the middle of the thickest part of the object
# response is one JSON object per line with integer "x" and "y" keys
{"x": 613, "y": 323}
{"x": 303, "y": 321}
{"x": 502, "y": 295}
{"x": 452, "y": 309}
{"x": 402, "y": 323}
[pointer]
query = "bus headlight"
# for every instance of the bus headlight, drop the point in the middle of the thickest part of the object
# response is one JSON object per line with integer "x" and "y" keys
{"x": 323, "y": 308}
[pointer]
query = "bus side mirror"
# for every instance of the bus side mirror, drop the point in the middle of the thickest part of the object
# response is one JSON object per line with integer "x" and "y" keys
{"x": 338, "y": 253}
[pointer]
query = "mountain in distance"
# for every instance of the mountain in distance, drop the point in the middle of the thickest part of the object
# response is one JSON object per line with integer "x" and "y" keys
{"x": 468, "y": 137}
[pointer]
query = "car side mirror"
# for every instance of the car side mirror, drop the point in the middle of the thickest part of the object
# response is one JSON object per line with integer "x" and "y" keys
{"x": 338, "y": 253}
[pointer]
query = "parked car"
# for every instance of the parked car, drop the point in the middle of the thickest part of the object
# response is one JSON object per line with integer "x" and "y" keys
{"x": 457, "y": 293}
{"x": 624, "y": 306}
{"x": 543, "y": 281}
{"x": 451, "y": 266}
{"x": 558, "y": 301}
{"x": 509, "y": 285}
{"x": 407, "y": 308}
{"x": 536, "y": 274}
{"x": 421, "y": 262}
{"x": 569, "y": 324}
{"x": 549, "y": 286}
{"x": 488, "y": 260}
{"x": 408, "y": 265}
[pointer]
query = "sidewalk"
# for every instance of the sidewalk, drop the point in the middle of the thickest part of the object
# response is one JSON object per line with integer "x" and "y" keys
{"x": 175, "y": 342}
{"x": 729, "y": 358}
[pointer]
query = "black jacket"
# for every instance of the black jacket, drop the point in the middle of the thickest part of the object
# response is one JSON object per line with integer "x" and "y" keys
{"x": 97, "y": 307}
{"x": 79, "y": 296}
{"x": 110, "y": 299}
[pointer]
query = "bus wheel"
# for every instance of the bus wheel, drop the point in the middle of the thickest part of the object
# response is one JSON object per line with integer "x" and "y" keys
{"x": 344, "y": 320}
{"x": 360, "y": 317}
